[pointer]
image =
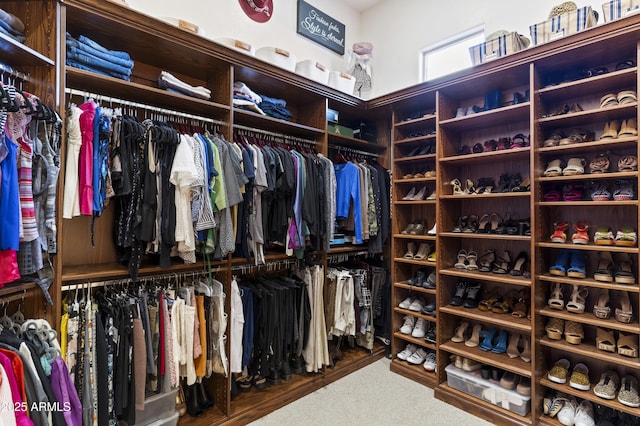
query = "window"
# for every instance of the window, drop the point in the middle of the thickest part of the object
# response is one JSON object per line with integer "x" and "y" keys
{"x": 449, "y": 55}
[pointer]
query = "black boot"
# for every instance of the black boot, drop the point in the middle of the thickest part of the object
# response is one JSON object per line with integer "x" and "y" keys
{"x": 206, "y": 403}
{"x": 191, "y": 398}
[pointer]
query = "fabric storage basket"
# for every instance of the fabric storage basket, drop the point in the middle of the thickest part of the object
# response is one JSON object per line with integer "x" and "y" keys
{"x": 473, "y": 384}
{"x": 278, "y": 57}
{"x": 313, "y": 70}
{"x": 497, "y": 47}
{"x": 563, "y": 25}
{"x": 617, "y": 9}
{"x": 342, "y": 81}
{"x": 238, "y": 45}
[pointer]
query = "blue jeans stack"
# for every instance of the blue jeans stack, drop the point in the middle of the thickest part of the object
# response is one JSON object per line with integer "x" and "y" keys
{"x": 275, "y": 108}
{"x": 12, "y": 26}
{"x": 85, "y": 54}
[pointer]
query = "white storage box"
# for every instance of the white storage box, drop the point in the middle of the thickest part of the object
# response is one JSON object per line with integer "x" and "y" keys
{"x": 278, "y": 57}
{"x": 313, "y": 70}
{"x": 238, "y": 45}
{"x": 563, "y": 25}
{"x": 342, "y": 81}
{"x": 473, "y": 384}
{"x": 171, "y": 420}
{"x": 617, "y": 9}
{"x": 157, "y": 407}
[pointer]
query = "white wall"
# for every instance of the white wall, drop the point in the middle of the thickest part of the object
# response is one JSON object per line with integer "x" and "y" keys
{"x": 225, "y": 18}
{"x": 400, "y": 28}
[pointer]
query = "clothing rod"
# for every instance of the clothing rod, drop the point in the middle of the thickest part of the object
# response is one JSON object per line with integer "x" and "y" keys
{"x": 277, "y": 264}
{"x": 4, "y": 68}
{"x": 354, "y": 151}
{"x": 268, "y": 133}
{"x": 176, "y": 276}
{"x": 143, "y": 106}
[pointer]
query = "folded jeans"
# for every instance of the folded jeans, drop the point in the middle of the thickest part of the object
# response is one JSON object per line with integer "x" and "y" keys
{"x": 81, "y": 66}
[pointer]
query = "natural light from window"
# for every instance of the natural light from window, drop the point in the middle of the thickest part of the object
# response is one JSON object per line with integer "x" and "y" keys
{"x": 449, "y": 55}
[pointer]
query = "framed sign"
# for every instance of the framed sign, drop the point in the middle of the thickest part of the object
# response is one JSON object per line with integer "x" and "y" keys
{"x": 320, "y": 27}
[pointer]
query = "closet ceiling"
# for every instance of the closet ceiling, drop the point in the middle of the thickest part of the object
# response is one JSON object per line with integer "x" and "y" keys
{"x": 362, "y": 5}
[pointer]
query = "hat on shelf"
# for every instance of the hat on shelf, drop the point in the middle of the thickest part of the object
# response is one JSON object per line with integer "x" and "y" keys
{"x": 364, "y": 49}
{"x": 566, "y": 7}
{"x": 524, "y": 41}
{"x": 258, "y": 10}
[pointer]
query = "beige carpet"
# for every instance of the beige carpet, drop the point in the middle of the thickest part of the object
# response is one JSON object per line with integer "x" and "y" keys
{"x": 371, "y": 396}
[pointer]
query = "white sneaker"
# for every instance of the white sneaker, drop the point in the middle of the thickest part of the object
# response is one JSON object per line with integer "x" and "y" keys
{"x": 417, "y": 305}
{"x": 430, "y": 362}
{"x": 406, "y": 303}
{"x": 584, "y": 414}
{"x": 420, "y": 329}
{"x": 409, "y": 323}
{"x": 418, "y": 357}
{"x": 567, "y": 414}
{"x": 407, "y": 352}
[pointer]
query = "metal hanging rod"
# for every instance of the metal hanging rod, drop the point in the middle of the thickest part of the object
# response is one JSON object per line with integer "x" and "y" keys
{"x": 143, "y": 106}
{"x": 353, "y": 151}
{"x": 274, "y": 265}
{"x": 278, "y": 135}
{"x": 4, "y": 68}
{"x": 343, "y": 257}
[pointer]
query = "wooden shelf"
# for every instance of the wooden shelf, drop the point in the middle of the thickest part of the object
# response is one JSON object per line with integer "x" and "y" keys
{"x": 590, "y": 319}
{"x": 19, "y": 55}
{"x": 601, "y": 83}
{"x": 427, "y": 118}
{"x": 410, "y": 339}
{"x": 500, "y": 320}
{"x": 478, "y": 235}
{"x": 252, "y": 119}
{"x": 414, "y": 262}
{"x": 415, "y": 237}
{"x": 611, "y": 203}
{"x": 597, "y": 146}
{"x": 587, "y": 350}
{"x": 589, "y": 395}
{"x": 430, "y": 291}
{"x": 348, "y": 249}
{"x": 414, "y": 158}
{"x": 589, "y": 247}
{"x": 487, "y": 276}
{"x": 417, "y": 373}
{"x": 590, "y": 282}
{"x": 502, "y": 155}
{"x": 515, "y": 365}
{"x": 407, "y": 141}
{"x": 596, "y": 114}
{"x": 526, "y": 194}
{"x": 417, "y": 202}
{"x": 598, "y": 176}
{"x": 417, "y": 180}
{"x": 349, "y": 142}
{"x": 487, "y": 119}
{"x": 416, "y": 314}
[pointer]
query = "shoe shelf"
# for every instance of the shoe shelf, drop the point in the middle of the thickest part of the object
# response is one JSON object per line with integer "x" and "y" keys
{"x": 504, "y": 154}
{"x": 610, "y": 203}
{"x": 404, "y": 285}
{"x": 483, "y": 409}
{"x": 589, "y": 318}
{"x": 499, "y": 320}
{"x": 590, "y": 282}
{"x": 255, "y": 120}
{"x": 414, "y": 262}
{"x": 417, "y": 373}
{"x": 589, "y": 247}
{"x": 355, "y": 143}
{"x": 488, "y": 119}
{"x": 587, "y": 350}
{"x": 515, "y": 365}
{"x": 589, "y": 115}
{"x": 415, "y": 237}
{"x": 480, "y": 235}
{"x": 427, "y": 118}
{"x": 416, "y": 180}
{"x": 416, "y": 314}
{"x": 602, "y": 83}
{"x": 598, "y": 145}
{"x": 412, "y": 140}
{"x": 487, "y": 276}
{"x": 417, "y": 202}
{"x": 526, "y": 194}
{"x": 590, "y": 396}
{"x": 416, "y": 341}
{"x": 414, "y": 158}
{"x": 596, "y": 176}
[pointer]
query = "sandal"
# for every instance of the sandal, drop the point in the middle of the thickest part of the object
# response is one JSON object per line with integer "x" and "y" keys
{"x": 610, "y": 130}
{"x": 600, "y": 164}
{"x": 604, "y": 271}
{"x": 519, "y": 141}
{"x": 556, "y": 300}
{"x": 472, "y": 258}
{"x": 418, "y": 229}
{"x": 490, "y": 145}
{"x": 411, "y": 249}
{"x": 628, "y": 344}
{"x": 485, "y": 263}
{"x": 577, "y": 265}
{"x": 602, "y": 309}
{"x": 555, "y": 328}
{"x": 502, "y": 305}
{"x": 496, "y": 222}
{"x": 605, "y": 340}
{"x": 519, "y": 264}
{"x": 573, "y": 332}
{"x": 554, "y": 139}
{"x": 460, "y": 333}
{"x": 580, "y": 135}
{"x": 603, "y": 236}
{"x": 462, "y": 259}
{"x": 554, "y": 168}
{"x": 503, "y": 143}
{"x": 552, "y": 195}
{"x": 502, "y": 263}
{"x": 484, "y": 224}
{"x": 572, "y": 193}
{"x": 487, "y": 303}
{"x": 462, "y": 223}
{"x": 457, "y": 187}
{"x": 559, "y": 235}
{"x": 469, "y": 187}
{"x": 559, "y": 268}
{"x": 423, "y": 251}
{"x": 581, "y": 236}
{"x": 520, "y": 305}
{"x": 629, "y": 63}
{"x": 575, "y": 166}
{"x": 578, "y": 299}
{"x": 626, "y": 237}
{"x": 626, "y": 97}
{"x": 628, "y": 163}
{"x": 600, "y": 193}
{"x": 472, "y": 225}
{"x": 624, "y": 313}
{"x": 477, "y": 148}
{"x": 608, "y": 100}
{"x": 624, "y": 190}
{"x": 623, "y": 271}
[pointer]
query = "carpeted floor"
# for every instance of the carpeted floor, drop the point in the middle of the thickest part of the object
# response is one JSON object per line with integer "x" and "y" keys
{"x": 371, "y": 396}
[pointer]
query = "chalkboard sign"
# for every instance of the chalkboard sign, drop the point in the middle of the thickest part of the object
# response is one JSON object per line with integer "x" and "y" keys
{"x": 320, "y": 27}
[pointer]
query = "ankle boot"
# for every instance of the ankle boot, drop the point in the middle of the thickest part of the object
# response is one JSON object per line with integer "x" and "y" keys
{"x": 204, "y": 398}
{"x": 181, "y": 405}
{"x": 191, "y": 398}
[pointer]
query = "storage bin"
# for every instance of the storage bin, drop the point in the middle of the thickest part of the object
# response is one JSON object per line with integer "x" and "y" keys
{"x": 342, "y": 81}
{"x": 278, "y": 57}
{"x": 473, "y": 384}
{"x": 157, "y": 407}
{"x": 502, "y": 45}
{"x": 617, "y": 9}
{"x": 563, "y": 25}
{"x": 171, "y": 420}
{"x": 313, "y": 70}
{"x": 237, "y": 45}
{"x": 339, "y": 130}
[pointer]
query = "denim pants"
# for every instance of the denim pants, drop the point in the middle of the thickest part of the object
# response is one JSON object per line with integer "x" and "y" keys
{"x": 96, "y": 62}
{"x": 77, "y": 47}
{"x": 94, "y": 45}
{"x": 80, "y": 66}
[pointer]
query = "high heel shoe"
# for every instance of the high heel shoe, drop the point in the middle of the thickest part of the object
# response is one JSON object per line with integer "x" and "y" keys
{"x": 578, "y": 299}
{"x": 181, "y": 405}
{"x": 411, "y": 250}
{"x": 423, "y": 251}
{"x": 474, "y": 340}
{"x": 419, "y": 196}
{"x": 624, "y": 313}
{"x": 520, "y": 263}
{"x": 602, "y": 309}
{"x": 457, "y": 187}
{"x": 469, "y": 187}
{"x": 410, "y": 194}
{"x": 512, "y": 349}
{"x": 556, "y": 300}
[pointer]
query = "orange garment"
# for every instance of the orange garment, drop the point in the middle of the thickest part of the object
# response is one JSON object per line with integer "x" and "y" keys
{"x": 201, "y": 361}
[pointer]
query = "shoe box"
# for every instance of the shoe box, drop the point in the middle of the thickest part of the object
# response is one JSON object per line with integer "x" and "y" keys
{"x": 158, "y": 408}
{"x": 473, "y": 384}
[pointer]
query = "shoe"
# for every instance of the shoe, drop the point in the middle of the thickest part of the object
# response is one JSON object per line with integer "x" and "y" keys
{"x": 461, "y": 263}
{"x": 407, "y": 351}
{"x": 487, "y": 342}
{"x": 420, "y": 328}
{"x": 560, "y": 371}
{"x": 206, "y": 402}
{"x": 430, "y": 362}
{"x": 423, "y": 251}
{"x": 578, "y": 298}
{"x": 605, "y": 340}
{"x": 577, "y": 265}
{"x": 573, "y": 332}
{"x": 418, "y": 357}
{"x": 461, "y": 331}
{"x": 512, "y": 349}
{"x": 553, "y": 403}
{"x": 472, "y": 296}
{"x": 430, "y": 281}
{"x": 600, "y": 164}
{"x": 623, "y": 191}
{"x": 469, "y": 364}
{"x": 411, "y": 249}
{"x": 524, "y": 386}
{"x": 625, "y": 237}
{"x": 474, "y": 340}
{"x": 502, "y": 264}
{"x": 508, "y": 380}
{"x": 555, "y": 328}
{"x": 624, "y": 313}
{"x": 567, "y": 414}
{"x": 418, "y": 196}
{"x": 554, "y": 168}
{"x": 410, "y": 194}
{"x": 604, "y": 271}
{"x": 520, "y": 264}
{"x": 580, "y": 377}
{"x": 556, "y": 300}
{"x": 409, "y": 323}
{"x": 603, "y": 236}
{"x": 623, "y": 271}
{"x": 191, "y": 398}
{"x": 429, "y": 309}
{"x": 501, "y": 344}
{"x": 181, "y": 405}
{"x": 418, "y": 279}
{"x": 432, "y": 231}
{"x": 418, "y": 229}
{"x": 628, "y": 394}
{"x": 575, "y": 166}
{"x": 471, "y": 261}
{"x": 584, "y": 414}
{"x": 580, "y": 236}
{"x": 460, "y": 294}
{"x": 431, "y": 335}
{"x": 408, "y": 229}
{"x": 607, "y": 386}
{"x": 601, "y": 308}
{"x": 416, "y": 305}
{"x": 406, "y": 303}
{"x": 628, "y": 345}
{"x": 485, "y": 263}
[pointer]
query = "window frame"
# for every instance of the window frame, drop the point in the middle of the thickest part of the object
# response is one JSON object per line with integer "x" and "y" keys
{"x": 478, "y": 30}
